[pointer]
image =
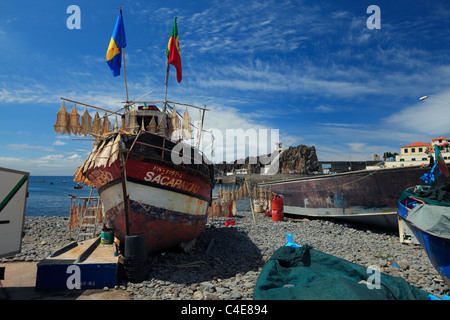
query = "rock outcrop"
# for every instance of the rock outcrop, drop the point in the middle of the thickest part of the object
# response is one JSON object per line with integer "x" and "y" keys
{"x": 301, "y": 159}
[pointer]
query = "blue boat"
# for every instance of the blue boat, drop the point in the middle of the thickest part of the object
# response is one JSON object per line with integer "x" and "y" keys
{"x": 429, "y": 221}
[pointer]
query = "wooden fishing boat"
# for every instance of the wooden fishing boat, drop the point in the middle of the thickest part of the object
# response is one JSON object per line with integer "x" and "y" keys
{"x": 147, "y": 188}
{"x": 430, "y": 222}
{"x": 363, "y": 197}
{"x": 151, "y": 181}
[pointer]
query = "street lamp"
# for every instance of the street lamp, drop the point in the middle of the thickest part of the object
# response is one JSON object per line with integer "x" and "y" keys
{"x": 426, "y": 97}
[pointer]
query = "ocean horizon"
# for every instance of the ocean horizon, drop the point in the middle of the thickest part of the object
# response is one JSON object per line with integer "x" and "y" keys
{"x": 49, "y": 195}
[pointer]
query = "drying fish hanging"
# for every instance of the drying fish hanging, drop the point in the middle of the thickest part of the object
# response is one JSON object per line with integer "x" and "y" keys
{"x": 186, "y": 125}
{"x": 106, "y": 127}
{"x": 74, "y": 121}
{"x": 62, "y": 120}
{"x": 199, "y": 131}
{"x": 152, "y": 126}
{"x": 116, "y": 125}
{"x": 73, "y": 217}
{"x": 132, "y": 125}
{"x": 220, "y": 192}
{"x": 175, "y": 124}
{"x": 162, "y": 126}
{"x": 96, "y": 124}
{"x": 86, "y": 123}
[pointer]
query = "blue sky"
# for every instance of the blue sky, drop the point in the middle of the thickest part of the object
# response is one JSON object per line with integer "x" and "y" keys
{"x": 312, "y": 69}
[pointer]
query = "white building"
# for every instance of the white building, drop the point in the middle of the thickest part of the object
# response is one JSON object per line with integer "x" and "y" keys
{"x": 418, "y": 153}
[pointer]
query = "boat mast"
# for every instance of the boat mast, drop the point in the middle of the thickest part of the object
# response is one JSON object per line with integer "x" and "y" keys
{"x": 125, "y": 73}
{"x": 167, "y": 84}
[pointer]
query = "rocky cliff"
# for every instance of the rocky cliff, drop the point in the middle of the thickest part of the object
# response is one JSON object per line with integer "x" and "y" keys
{"x": 300, "y": 159}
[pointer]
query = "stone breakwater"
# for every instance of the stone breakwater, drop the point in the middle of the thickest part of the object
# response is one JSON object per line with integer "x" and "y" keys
{"x": 226, "y": 261}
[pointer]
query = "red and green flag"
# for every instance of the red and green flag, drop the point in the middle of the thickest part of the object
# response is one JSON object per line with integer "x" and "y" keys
{"x": 173, "y": 50}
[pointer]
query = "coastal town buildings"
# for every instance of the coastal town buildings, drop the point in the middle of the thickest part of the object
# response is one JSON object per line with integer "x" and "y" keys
{"x": 418, "y": 153}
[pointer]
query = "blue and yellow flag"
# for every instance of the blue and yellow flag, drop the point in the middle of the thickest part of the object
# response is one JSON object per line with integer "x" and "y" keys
{"x": 118, "y": 40}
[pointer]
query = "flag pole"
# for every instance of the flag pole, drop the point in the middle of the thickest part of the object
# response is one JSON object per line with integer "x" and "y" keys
{"x": 124, "y": 68}
{"x": 167, "y": 84}
{"x": 125, "y": 73}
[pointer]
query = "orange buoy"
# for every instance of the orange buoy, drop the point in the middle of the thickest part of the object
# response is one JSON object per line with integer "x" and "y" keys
{"x": 277, "y": 209}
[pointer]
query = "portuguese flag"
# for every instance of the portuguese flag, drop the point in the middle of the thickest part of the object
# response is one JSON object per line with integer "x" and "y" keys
{"x": 173, "y": 50}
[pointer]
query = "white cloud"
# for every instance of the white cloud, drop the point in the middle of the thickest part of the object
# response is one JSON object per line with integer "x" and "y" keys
{"x": 59, "y": 143}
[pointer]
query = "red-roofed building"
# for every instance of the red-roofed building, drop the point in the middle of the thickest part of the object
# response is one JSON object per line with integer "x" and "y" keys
{"x": 416, "y": 148}
{"x": 442, "y": 142}
{"x": 417, "y": 153}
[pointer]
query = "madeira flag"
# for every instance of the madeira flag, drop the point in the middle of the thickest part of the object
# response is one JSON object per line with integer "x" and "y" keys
{"x": 118, "y": 40}
{"x": 440, "y": 161}
{"x": 173, "y": 50}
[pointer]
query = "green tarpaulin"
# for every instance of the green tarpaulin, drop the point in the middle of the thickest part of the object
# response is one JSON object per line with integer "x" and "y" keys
{"x": 304, "y": 273}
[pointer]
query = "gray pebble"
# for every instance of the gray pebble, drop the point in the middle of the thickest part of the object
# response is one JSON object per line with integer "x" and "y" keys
{"x": 226, "y": 261}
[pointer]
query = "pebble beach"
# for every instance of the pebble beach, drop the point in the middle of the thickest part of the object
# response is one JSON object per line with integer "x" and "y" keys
{"x": 226, "y": 260}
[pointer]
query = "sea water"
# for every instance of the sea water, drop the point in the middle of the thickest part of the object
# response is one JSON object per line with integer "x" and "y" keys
{"x": 49, "y": 195}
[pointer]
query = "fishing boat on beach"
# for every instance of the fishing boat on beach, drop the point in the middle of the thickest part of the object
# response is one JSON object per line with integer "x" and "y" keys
{"x": 430, "y": 224}
{"x": 367, "y": 197}
{"x": 425, "y": 209}
{"x": 152, "y": 181}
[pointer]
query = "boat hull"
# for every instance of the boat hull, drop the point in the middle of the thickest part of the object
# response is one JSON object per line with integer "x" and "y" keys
{"x": 166, "y": 218}
{"x": 437, "y": 248}
{"x": 166, "y": 202}
{"x": 367, "y": 197}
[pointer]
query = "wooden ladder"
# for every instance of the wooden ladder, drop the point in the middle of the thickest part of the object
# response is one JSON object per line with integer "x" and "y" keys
{"x": 88, "y": 225}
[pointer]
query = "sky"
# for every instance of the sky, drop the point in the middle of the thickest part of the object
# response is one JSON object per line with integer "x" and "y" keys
{"x": 316, "y": 71}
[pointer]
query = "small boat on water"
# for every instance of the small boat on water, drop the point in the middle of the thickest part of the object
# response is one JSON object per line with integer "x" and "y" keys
{"x": 78, "y": 186}
{"x": 429, "y": 220}
{"x": 361, "y": 197}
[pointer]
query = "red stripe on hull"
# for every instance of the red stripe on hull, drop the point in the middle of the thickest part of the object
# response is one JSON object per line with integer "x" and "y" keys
{"x": 151, "y": 174}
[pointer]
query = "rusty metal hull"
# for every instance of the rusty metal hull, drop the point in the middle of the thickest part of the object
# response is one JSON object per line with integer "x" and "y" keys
{"x": 367, "y": 197}
{"x": 144, "y": 192}
{"x": 166, "y": 218}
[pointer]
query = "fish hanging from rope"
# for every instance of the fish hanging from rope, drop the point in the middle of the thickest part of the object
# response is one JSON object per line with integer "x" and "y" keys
{"x": 62, "y": 120}
{"x": 86, "y": 123}
{"x": 74, "y": 121}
